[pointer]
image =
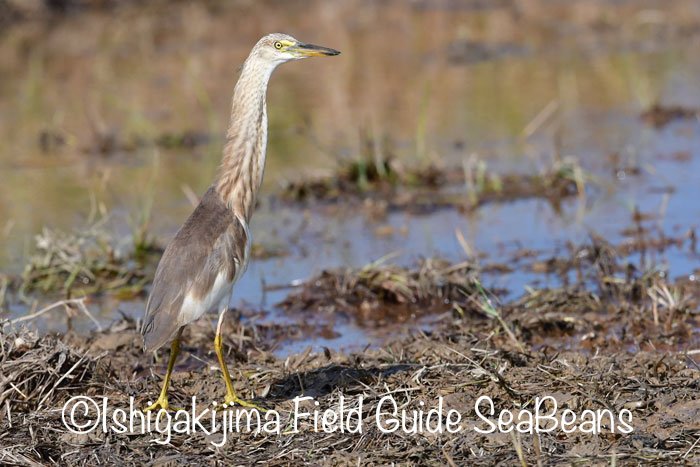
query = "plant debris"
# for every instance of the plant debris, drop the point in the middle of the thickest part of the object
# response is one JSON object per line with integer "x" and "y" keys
{"x": 85, "y": 262}
{"x": 454, "y": 363}
{"x": 35, "y": 369}
{"x": 659, "y": 115}
{"x": 423, "y": 189}
{"x": 377, "y": 295}
{"x": 611, "y": 302}
{"x": 617, "y": 338}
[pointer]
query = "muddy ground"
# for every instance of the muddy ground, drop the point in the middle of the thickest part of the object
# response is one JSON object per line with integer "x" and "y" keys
{"x": 625, "y": 347}
{"x": 456, "y": 362}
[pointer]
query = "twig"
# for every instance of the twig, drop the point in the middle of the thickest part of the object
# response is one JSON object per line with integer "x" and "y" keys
{"x": 691, "y": 448}
{"x": 41, "y": 402}
{"x": 79, "y": 302}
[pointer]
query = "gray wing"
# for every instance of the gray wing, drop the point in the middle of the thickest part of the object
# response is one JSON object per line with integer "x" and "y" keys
{"x": 212, "y": 240}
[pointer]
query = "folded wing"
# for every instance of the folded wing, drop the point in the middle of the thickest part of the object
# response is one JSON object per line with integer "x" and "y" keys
{"x": 212, "y": 242}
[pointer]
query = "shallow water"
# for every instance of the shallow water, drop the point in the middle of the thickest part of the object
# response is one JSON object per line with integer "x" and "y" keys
{"x": 408, "y": 77}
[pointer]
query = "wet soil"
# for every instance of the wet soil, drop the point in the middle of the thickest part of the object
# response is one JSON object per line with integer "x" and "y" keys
{"x": 458, "y": 361}
{"x": 617, "y": 339}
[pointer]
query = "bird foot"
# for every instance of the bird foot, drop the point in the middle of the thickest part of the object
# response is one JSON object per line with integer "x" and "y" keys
{"x": 231, "y": 399}
{"x": 160, "y": 404}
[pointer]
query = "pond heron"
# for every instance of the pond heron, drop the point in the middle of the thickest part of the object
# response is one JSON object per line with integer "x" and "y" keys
{"x": 210, "y": 252}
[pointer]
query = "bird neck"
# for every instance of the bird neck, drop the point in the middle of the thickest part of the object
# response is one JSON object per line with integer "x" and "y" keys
{"x": 243, "y": 162}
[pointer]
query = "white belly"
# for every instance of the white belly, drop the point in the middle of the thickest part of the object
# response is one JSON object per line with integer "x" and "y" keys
{"x": 217, "y": 298}
{"x": 220, "y": 294}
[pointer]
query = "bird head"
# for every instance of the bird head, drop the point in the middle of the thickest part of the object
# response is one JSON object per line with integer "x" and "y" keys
{"x": 279, "y": 48}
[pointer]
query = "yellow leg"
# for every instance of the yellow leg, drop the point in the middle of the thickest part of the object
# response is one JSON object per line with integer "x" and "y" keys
{"x": 162, "y": 402}
{"x": 231, "y": 397}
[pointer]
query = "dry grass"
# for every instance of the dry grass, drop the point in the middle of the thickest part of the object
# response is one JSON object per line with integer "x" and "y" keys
{"x": 379, "y": 294}
{"x": 35, "y": 369}
{"x": 85, "y": 262}
{"x": 606, "y": 303}
{"x": 452, "y": 362}
{"x": 594, "y": 344}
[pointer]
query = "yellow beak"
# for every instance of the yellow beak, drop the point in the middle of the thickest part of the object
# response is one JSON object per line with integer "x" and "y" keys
{"x": 310, "y": 50}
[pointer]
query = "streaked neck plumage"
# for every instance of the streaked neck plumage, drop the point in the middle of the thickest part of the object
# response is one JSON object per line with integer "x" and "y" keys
{"x": 243, "y": 163}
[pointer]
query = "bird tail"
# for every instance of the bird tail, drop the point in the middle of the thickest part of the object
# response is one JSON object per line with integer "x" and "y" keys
{"x": 156, "y": 331}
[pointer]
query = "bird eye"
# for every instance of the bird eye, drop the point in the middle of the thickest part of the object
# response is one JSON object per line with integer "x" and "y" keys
{"x": 278, "y": 45}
